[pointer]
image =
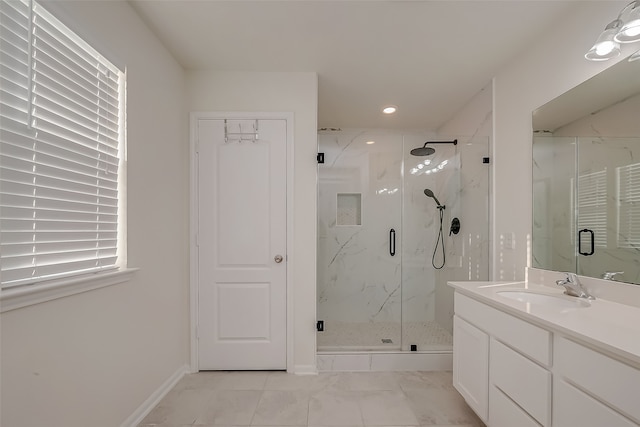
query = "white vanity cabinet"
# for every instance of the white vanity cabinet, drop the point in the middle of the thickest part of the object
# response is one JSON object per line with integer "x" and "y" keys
{"x": 514, "y": 373}
{"x": 516, "y": 390}
{"x": 606, "y": 390}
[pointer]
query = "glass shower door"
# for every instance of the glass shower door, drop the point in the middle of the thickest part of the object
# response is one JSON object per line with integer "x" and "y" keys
{"x": 608, "y": 207}
{"x": 434, "y": 252}
{"x": 359, "y": 241}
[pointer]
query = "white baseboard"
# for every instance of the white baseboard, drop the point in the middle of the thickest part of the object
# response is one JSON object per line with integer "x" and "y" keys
{"x": 305, "y": 370}
{"x": 143, "y": 410}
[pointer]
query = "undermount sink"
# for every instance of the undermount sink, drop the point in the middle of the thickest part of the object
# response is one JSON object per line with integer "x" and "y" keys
{"x": 557, "y": 301}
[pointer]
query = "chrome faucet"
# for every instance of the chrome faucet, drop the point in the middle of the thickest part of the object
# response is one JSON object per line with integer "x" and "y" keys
{"x": 611, "y": 275}
{"x": 573, "y": 287}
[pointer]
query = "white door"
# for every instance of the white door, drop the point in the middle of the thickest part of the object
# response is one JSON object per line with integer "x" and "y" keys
{"x": 242, "y": 244}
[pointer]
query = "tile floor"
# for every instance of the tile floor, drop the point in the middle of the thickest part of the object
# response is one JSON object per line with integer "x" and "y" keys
{"x": 351, "y": 399}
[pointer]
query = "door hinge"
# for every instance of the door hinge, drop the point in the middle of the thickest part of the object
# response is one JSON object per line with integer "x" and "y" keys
{"x": 320, "y": 325}
{"x": 320, "y": 158}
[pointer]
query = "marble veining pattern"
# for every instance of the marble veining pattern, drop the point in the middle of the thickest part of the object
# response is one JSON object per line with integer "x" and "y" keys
{"x": 359, "y": 282}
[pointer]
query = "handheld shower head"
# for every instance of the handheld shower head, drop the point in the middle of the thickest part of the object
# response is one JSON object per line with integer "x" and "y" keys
{"x": 429, "y": 193}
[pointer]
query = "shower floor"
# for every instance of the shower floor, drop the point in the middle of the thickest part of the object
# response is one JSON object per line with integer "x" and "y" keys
{"x": 346, "y": 336}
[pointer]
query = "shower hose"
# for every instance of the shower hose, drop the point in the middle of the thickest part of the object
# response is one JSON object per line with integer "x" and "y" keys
{"x": 439, "y": 241}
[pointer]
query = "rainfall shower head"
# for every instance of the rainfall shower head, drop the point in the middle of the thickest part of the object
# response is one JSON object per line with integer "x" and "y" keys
{"x": 429, "y": 193}
{"x": 423, "y": 151}
{"x": 427, "y": 151}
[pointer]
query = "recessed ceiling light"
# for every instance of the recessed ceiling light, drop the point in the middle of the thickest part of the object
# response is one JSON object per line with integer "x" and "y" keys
{"x": 390, "y": 109}
{"x": 371, "y": 142}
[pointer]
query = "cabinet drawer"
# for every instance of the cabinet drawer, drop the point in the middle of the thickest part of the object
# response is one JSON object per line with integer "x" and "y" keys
{"x": 526, "y": 383}
{"x": 529, "y": 339}
{"x": 504, "y": 413}
{"x": 573, "y": 408}
{"x": 608, "y": 379}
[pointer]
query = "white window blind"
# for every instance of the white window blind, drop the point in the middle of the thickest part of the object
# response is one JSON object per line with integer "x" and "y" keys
{"x": 592, "y": 205}
{"x": 629, "y": 206}
{"x": 61, "y": 113}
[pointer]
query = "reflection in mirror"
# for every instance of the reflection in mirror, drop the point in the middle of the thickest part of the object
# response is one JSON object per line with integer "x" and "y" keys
{"x": 586, "y": 178}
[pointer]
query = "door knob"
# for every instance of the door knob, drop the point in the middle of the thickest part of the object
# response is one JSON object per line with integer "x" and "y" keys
{"x": 278, "y": 259}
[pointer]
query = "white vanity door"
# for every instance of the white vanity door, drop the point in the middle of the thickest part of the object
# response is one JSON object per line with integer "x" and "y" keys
{"x": 471, "y": 365}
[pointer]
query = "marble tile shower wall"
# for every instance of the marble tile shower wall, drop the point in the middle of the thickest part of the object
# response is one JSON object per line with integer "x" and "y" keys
{"x": 358, "y": 280}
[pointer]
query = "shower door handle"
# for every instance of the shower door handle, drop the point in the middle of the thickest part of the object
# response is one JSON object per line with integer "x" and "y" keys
{"x": 392, "y": 242}
{"x": 592, "y": 234}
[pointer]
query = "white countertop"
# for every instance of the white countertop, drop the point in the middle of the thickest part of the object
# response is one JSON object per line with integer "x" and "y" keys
{"x": 607, "y": 325}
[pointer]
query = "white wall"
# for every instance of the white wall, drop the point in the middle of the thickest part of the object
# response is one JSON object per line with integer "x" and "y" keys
{"x": 280, "y": 92}
{"x": 93, "y": 358}
{"x": 545, "y": 70}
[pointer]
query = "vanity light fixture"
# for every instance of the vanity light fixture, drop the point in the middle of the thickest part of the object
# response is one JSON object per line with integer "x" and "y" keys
{"x": 606, "y": 47}
{"x": 624, "y": 29}
{"x": 390, "y": 109}
{"x": 630, "y": 31}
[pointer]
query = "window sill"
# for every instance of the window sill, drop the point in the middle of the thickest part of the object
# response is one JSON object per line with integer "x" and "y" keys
{"x": 12, "y": 299}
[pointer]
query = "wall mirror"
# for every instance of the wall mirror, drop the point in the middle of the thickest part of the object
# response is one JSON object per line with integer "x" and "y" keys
{"x": 586, "y": 178}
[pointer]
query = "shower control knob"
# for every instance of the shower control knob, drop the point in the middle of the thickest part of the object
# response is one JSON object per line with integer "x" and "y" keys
{"x": 278, "y": 259}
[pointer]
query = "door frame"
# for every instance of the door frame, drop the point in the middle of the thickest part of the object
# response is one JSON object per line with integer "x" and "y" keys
{"x": 193, "y": 223}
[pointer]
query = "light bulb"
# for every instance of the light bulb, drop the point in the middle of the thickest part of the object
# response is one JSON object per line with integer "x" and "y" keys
{"x": 630, "y": 31}
{"x": 605, "y": 46}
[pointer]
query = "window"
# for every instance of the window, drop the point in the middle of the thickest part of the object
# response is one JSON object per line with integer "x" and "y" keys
{"x": 592, "y": 205}
{"x": 629, "y": 206}
{"x": 61, "y": 146}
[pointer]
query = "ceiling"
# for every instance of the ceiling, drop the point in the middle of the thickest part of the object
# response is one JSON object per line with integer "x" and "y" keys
{"x": 427, "y": 57}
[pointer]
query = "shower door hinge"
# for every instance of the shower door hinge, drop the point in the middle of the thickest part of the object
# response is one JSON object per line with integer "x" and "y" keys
{"x": 320, "y": 158}
{"x": 320, "y": 325}
{"x": 485, "y": 160}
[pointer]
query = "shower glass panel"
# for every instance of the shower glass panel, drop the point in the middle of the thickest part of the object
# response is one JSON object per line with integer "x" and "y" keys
{"x": 586, "y": 205}
{"x": 359, "y": 241}
{"x": 554, "y": 236}
{"x": 608, "y": 207}
{"x": 378, "y": 288}
{"x": 458, "y": 176}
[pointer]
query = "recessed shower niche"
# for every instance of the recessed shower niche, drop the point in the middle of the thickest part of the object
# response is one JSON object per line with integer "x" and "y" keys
{"x": 377, "y": 288}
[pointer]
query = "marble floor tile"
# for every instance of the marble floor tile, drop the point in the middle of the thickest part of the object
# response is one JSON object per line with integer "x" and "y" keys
{"x": 440, "y": 407}
{"x": 335, "y": 408}
{"x": 228, "y": 380}
{"x": 368, "y": 381}
{"x": 386, "y": 408}
{"x": 286, "y": 381}
{"x": 348, "y": 399}
{"x": 178, "y": 407}
{"x": 230, "y": 407}
{"x": 282, "y": 408}
{"x": 425, "y": 379}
